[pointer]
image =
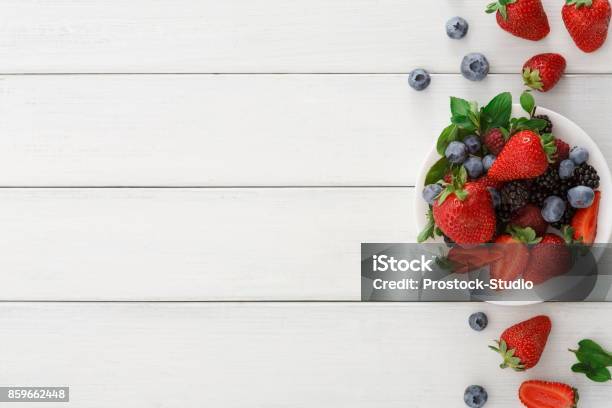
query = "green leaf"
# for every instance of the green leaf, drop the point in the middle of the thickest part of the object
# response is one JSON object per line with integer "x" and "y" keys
{"x": 459, "y": 107}
{"x": 429, "y": 230}
{"x": 528, "y": 102}
{"x": 601, "y": 374}
{"x": 449, "y": 134}
{"x": 437, "y": 171}
{"x": 581, "y": 368}
{"x": 497, "y": 112}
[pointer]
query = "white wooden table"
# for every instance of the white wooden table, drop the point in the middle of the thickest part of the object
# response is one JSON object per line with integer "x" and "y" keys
{"x": 174, "y": 172}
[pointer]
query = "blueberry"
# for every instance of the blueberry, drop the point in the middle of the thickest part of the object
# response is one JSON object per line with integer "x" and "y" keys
{"x": 456, "y": 152}
{"x": 478, "y": 321}
{"x": 473, "y": 143}
{"x": 553, "y": 209}
{"x": 579, "y": 155}
{"x": 419, "y": 79}
{"x": 487, "y": 161}
{"x": 474, "y": 166}
{"x": 430, "y": 193}
{"x": 475, "y": 67}
{"x": 495, "y": 197}
{"x": 566, "y": 169}
{"x": 475, "y": 396}
{"x": 581, "y": 196}
{"x": 457, "y": 28}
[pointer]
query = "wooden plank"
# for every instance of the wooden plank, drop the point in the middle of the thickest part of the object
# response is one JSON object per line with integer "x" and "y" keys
{"x": 283, "y": 354}
{"x": 245, "y": 130}
{"x": 212, "y": 36}
{"x": 194, "y": 244}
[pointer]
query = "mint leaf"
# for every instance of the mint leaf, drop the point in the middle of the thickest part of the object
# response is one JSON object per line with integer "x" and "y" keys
{"x": 437, "y": 171}
{"x": 601, "y": 374}
{"x": 593, "y": 360}
{"x": 449, "y": 134}
{"x": 497, "y": 112}
{"x": 528, "y": 102}
{"x": 459, "y": 107}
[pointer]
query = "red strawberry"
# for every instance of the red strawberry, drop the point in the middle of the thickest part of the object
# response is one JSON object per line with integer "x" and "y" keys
{"x": 487, "y": 182}
{"x": 524, "y": 156}
{"x": 584, "y": 222}
{"x": 494, "y": 140}
{"x": 543, "y": 71}
{"x": 562, "y": 152}
{"x": 543, "y": 394}
{"x": 587, "y": 22}
{"x": 515, "y": 253}
{"x": 523, "y": 18}
{"x": 471, "y": 258}
{"x": 522, "y": 345}
{"x": 530, "y": 216}
{"x": 464, "y": 211}
{"x": 550, "y": 258}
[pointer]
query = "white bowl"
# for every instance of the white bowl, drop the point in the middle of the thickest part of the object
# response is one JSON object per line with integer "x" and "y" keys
{"x": 572, "y": 134}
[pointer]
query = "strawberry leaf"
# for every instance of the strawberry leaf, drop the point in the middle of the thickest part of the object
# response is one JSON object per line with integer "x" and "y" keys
{"x": 579, "y": 3}
{"x": 429, "y": 230}
{"x": 549, "y": 146}
{"x": 532, "y": 79}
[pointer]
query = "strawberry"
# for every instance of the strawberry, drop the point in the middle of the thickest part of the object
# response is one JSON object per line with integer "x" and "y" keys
{"x": 587, "y": 22}
{"x": 522, "y": 345}
{"x": 515, "y": 253}
{"x": 464, "y": 211}
{"x": 488, "y": 182}
{"x": 494, "y": 140}
{"x": 530, "y": 216}
{"x": 543, "y": 71}
{"x": 584, "y": 222}
{"x": 562, "y": 152}
{"x": 543, "y": 394}
{"x": 526, "y": 155}
{"x": 471, "y": 258}
{"x": 522, "y": 18}
{"x": 550, "y": 258}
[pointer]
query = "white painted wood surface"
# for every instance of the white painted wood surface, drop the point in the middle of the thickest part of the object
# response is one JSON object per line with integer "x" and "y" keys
{"x": 348, "y": 120}
{"x": 246, "y": 130}
{"x": 265, "y": 36}
{"x": 282, "y": 354}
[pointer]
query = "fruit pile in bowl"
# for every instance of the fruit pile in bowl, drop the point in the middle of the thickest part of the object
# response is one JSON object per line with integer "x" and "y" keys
{"x": 496, "y": 178}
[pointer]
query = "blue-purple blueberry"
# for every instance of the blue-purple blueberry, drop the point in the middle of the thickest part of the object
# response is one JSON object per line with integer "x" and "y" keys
{"x": 478, "y": 321}
{"x": 581, "y": 196}
{"x": 457, "y": 28}
{"x": 566, "y": 169}
{"x": 579, "y": 155}
{"x": 488, "y": 161}
{"x": 456, "y": 152}
{"x": 553, "y": 209}
{"x": 475, "y": 66}
{"x": 431, "y": 192}
{"x": 419, "y": 79}
{"x": 473, "y": 143}
{"x": 475, "y": 396}
{"x": 474, "y": 166}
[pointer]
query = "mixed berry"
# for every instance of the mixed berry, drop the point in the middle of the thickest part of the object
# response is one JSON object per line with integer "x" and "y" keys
{"x": 500, "y": 176}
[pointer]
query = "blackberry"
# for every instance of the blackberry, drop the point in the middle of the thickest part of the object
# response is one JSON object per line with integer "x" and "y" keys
{"x": 549, "y": 125}
{"x": 504, "y": 214}
{"x": 586, "y": 175}
{"x": 514, "y": 195}
{"x": 566, "y": 219}
{"x": 549, "y": 181}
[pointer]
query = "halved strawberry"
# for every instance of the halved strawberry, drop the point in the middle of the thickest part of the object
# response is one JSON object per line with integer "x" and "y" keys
{"x": 513, "y": 247}
{"x": 543, "y": 394}
{"x": 585, "y": 222}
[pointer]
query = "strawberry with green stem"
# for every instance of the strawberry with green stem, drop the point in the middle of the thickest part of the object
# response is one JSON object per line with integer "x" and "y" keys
{"x": 588, "y": 22}
{"x": 522, "y": 18}
{"x": 522, "y": 345}
{"x": 542, "y": 72}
